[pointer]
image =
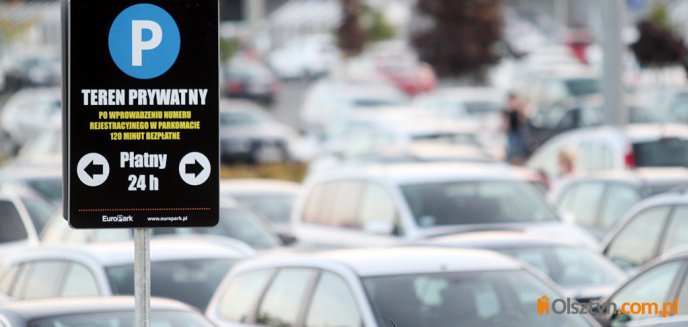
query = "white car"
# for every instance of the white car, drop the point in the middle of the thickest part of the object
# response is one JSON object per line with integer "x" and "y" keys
{"x": 185, "y": 270}
{"x": 23, "y": 215}
{"x": 383, "y": 205}
{"x": 403, "y": 287}
{"x": 328, "y": 101}
{"x": 582, "y": 273}
{"x": 272, "y": 199}
{"x": 309, "y": 57}
{"x": 373, "y": 131}
{"x": 481, "y": 106}
{"x": 661, "y": 281}
{"x": 236, "y": 223}
{"x": 248, "y": 134}
{"x": 96, "y": 311}
{"x": 611, "y": 148}
{"x": 30, "y": 111}
{"x": 649, "y": 229}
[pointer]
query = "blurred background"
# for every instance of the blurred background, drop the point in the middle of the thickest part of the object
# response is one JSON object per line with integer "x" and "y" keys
{"x": 551, "y": 133}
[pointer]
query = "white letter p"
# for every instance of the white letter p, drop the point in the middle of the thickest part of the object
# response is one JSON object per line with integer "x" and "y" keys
{"x": 137, "y": 43}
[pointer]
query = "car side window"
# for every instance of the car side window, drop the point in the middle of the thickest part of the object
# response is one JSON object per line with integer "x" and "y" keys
{"x": 652, "y": 286}
{"x": 619, "y": 199}
{"x": 7, "y": 279}
{"x": 319, "y": 199}
{"x": 345, "y": 207}
{"x": 585, "y": 203}
{"x": 282, "y": 301}
{"x": 333, "y": 304}
{"x": 566, "y": 199}
{"x": 683, "y": 295}
{"x": 240, "y": 298}
{"x": 79, "y": 281}
{"x": 625, "y": 250}
{"x": 677, "y": 232}
{"x": 39, "y": 211}
{"x": 13, "y": 228}
{"x": 377, "y": 206}
{"x": 44, "y": 279}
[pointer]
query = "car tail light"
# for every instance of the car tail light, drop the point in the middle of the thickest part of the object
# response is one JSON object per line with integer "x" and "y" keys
{"x": 234, "y": 86}
{"x": 629, "y": 159}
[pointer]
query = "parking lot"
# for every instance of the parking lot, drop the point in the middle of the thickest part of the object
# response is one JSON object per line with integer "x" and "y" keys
{"x": 381, "y": 164}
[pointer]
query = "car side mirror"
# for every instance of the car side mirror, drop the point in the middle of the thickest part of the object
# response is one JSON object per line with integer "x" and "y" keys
{"x": 619, "y": 319}
{"x": 287, "y": 239}
{"x": 378, "y": 227}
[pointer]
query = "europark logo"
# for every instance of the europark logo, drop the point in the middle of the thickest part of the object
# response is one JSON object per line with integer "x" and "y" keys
{"x": 569, "y": 306}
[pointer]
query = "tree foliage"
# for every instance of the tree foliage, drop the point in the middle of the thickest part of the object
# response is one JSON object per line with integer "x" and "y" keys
{"x": 657, "y": 44}
{"x": 462, "y": 36}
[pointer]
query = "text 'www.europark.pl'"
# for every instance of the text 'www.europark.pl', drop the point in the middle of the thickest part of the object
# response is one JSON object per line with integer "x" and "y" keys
{"x": 569, "y": 306}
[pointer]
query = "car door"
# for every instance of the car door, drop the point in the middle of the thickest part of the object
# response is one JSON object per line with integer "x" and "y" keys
{"x": 658, "y": 284}
{"x": 639, "y": 240}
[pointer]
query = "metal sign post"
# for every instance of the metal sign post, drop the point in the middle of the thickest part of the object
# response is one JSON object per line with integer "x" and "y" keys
{"x": 142, "y": 277}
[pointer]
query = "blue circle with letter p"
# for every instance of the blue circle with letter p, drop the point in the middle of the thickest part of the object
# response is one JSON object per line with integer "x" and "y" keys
{"x": 144, "y": 41}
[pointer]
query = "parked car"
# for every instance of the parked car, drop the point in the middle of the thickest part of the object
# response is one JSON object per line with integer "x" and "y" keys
{"x": 383, "y": 205}
{"x": 368, "y": 133}
{"x": 272, "y": 199}
{"x": 185, "y": 270}
{"x": 249, "y": 79}
{"x": 247, "y": 134}
{"x": 597, "y": 201}
{"x": 379, "y": 287}
{"x": 328, "y": 101}
{"x": 23, "y": 215}
{"x": 481, "y": 106}
{"x": 611, "y": 148}
{"x": 648, "y": 230}
{"x": 35, "y": 70}
{"x": 236, "y": 223}
{"x": 44, "y": 181}
{"x": 585, "y": 112}
{"x": 309, "y": 57}
{"x": 662, "y": 281}
{"x": 30, "y": 111}
{"x": 583, "y": 274}
{"x": 93, "y": 311}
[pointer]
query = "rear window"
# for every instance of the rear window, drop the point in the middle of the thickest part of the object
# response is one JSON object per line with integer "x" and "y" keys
{"x": 662, "y": 153}
{"x": 13, "y": 228}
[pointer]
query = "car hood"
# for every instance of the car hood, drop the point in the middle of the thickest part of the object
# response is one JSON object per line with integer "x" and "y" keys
{"x": 553, "y": 229}
{"x": 261, "y": 131}
{"x": 589, "y": 293}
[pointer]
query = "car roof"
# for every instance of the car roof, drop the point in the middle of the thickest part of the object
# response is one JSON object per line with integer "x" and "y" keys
{"x": 639, "y": 175}
{"x": 643, "y": 132}
{"x": 409, "y": 173}
{"x": 368, "y": 262}
{"x": 499, "y": 240}
{"x": 122, "y": 253}
{"x": 38, "y": 309}
{"x": 256, "y": 185}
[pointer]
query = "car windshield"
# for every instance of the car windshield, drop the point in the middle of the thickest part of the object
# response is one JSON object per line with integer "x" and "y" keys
{"x": 239, "y": 118}
{"x": 583, "y": 86}
{"x": 570, "y": 267}
{"x": 49, "y": 188}
{"x": 123, "y": 319}
{"x": 670, "y": 152}
{"x": 190, "y": 281}
{"x": 274, "y": 207}
{"x": 479, "y": 298}
{"x": 480, "y": 108}
{"x": 476, "y": 202}
{"x": 12, "y": 225}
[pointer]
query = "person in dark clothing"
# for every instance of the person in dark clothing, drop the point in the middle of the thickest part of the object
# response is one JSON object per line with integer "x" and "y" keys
{"x": 515, "y": 121}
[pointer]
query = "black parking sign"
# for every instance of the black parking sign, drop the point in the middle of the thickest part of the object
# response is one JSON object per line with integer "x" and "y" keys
{"x": 141, "y": 121}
